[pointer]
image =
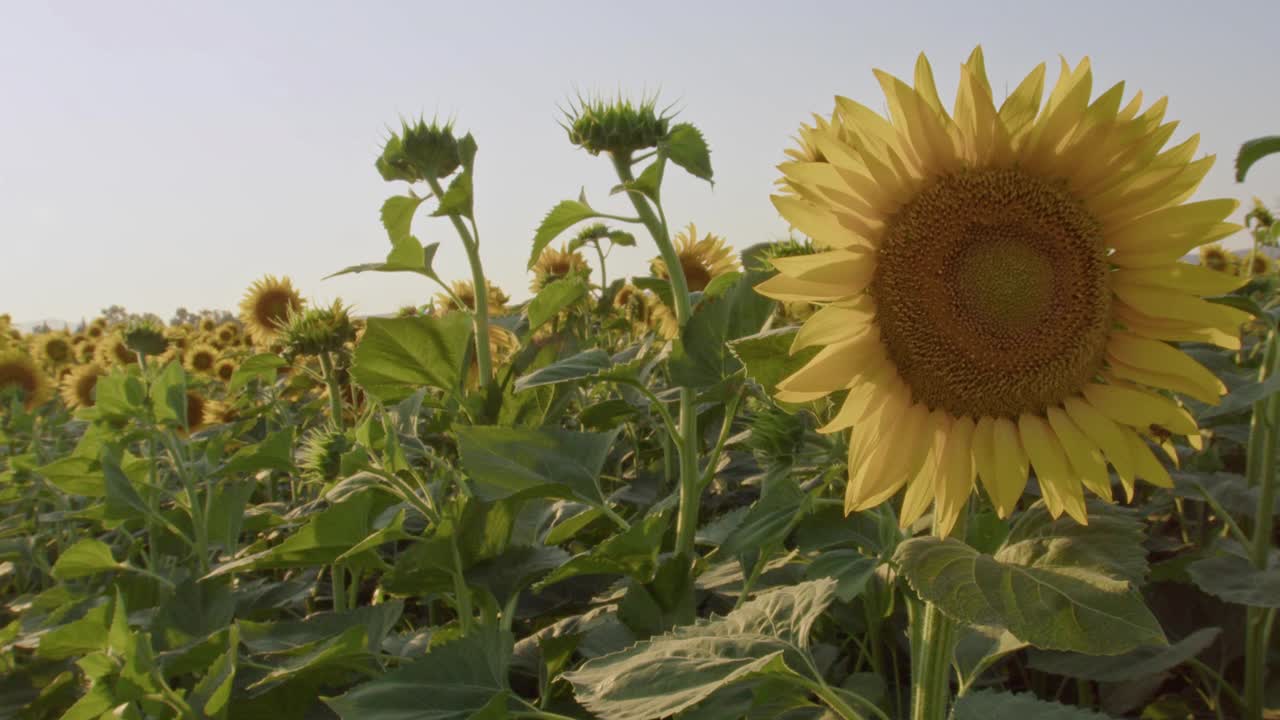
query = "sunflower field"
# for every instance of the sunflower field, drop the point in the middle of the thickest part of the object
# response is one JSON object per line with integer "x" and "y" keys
{"x": 993, "y": 435}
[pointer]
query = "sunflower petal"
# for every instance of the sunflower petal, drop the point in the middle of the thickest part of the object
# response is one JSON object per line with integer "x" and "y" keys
{"x": 1061, "y": 491}
{"x": 1105, "y": 434}
{"x": 1085, "y": 457}
{"x": 954, "y": 481}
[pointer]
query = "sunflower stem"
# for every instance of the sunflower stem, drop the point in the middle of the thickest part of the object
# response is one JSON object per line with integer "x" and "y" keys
{"x": 690, "y": 485}
{"x": 933, "y": 640}
{"x": 480, "y": 315}
{"x": 335, "y": 392}
{"x": 1264, "y": 437}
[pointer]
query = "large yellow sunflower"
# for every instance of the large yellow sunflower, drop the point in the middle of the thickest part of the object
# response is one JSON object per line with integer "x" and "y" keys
{"x": 555, "y": 264}
{"x": 77, "y": 387}
{"x": 266, "y": 307}
{"x": 18, "y": 370}
{"x": 996, "y": 288}
{"x": 702, "y": 260}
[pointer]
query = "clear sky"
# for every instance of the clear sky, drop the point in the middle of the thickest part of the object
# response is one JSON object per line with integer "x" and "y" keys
{"x": 162, "y": 154}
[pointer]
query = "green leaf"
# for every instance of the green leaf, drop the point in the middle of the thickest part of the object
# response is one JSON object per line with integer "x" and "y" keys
{"x": 1253, "y": 151}
{"x": 517, "y": 567}
{"x": 555, "y": 297}
{"x": 1231, "y": 576}
{"x": 989, "y": 705}
{"x": 169, "y": 394}
{"x": 1229, "y": 490}
{"x": 648, "y": 184}
{"x": 1141, "y": 663}
{"x": 407, "y": 255}
{"x": 457, "y": 198}
{"x": 669, "y": 673}
{"x": 504, "y": 461}
{"x": 1044, "y": 602}
{"x": 211, "y": 694}
{"x": 397, "y": 215}
{"x": 577, "y": 367}
{"x": 1241, "y": 399}
{"x": 633, "y": 553}
{"x": 261, "y": 367}
{"x": 563, "y": 216}
{"x": 119, "y": 395}
{"x": 1111, "y": 544}
{"x": 87, "y": 557}
{"x": 273, "y": 453}
{"x": 463, "y": 680}
{"x": 702, "y": 357}
{"x": 849, "y": 568}
{"x": 769, "y": 520}
{"x": 686, "y": 147}
{"x": 399, "y": 356}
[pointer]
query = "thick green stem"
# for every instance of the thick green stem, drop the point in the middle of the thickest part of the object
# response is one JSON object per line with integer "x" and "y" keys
{"x": 933, "y": 640}
{"x": 690, "y": 486}
{"x": 480, "y": 316}
{"x": 1261, "y": 472}
{"x": 335, "y": 392}
{"x": 604, "y": 281}
{"x": 338, "y": 583}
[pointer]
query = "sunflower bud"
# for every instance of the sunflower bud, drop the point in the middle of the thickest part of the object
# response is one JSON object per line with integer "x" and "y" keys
{"x": 145, "y": 337}
{"x": 616, "y": 127}
{"x": 419, "y": 152}
{"x": 321, "y": 455}
{"x": 318, "y": 330}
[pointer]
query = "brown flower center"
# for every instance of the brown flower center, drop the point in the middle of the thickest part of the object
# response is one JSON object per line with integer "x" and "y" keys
{"x": 993, "y": 294}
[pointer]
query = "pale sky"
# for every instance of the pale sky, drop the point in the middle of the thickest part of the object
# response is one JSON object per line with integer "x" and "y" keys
{"x": 165, "y": 154}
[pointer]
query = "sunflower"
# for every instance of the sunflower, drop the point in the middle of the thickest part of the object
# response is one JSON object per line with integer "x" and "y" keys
{"x": 702, "y": 260}
{"x": 208, "y": 324}
{"x": 1259, "y": 264}
{"x": 224, "y": 369}
{"x": 227, "y": 333}
{"x": 217, "y": 412}
{"x": 1216, "y": 257}
{"x": 555, "y": 264}
{"x": 465, "y": 291}
{"x": 96, "y": 329}
{"x": 77, "y": 388}
{"x": 86, "y": 351}
{"x": 197, "y": 417}
{"x": 19, "y": 370}
{"x": 503, "y": 345}
{"x": 266, "y": 306}
{"x": 113, "y": 351}
{"x": 995, "y": 286}
{"x": 201, "y": 358}
{"x": 631, "y": 304}
{"x": 52, "y": 349}
{"x": 661, "y": 317}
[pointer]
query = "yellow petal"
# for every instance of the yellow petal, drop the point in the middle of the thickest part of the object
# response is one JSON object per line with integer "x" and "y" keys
{"x": 1165, "y": 329}
{"x": 1151, "y": 231}
{"x": 862, "y": 397}
{"x": 1019, "y": 110}
{"x": 1175, "y": 247}
{"x": 834, "y": 323}
{"x": 1158, "y": 357}
{"x": 1061, "y": 491}
{"x": 1105, "y": 434}
{"x": 1085, "y": 457}
{"x": 884, "y": 472}
{"x": 1137, "y": 408}
{"x": 1160, "y": 303}
{"x": 954, "y": 481}
{"x": 835, "y": 366}
{"x": 818, "y": 224}
{"x": 920, "y": 488}
{"x": 1012, "y": 465}
{"x": 1195, "y": 279}
{"x": 786, "y": 289}
{"x": 853, "y": 270}
{"x": 1147, "y": 465}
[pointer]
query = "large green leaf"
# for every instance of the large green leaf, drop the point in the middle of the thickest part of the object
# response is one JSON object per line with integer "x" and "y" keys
{"x": 563, "y": 216}
{"x": 273, "y": 453}
{"x": 1231, "y": 576}
{"x": 1053, "y": 584}
{"x": 989, "y": 705}
{"x": 1253, "y": 151}
{"x": 702, "y": 356}
{"x": 1135, "y": 665}
{"x": 769, "y": 520}
{"x": 669, "y": 673}
{"x": 397, "y": 215}
{"x": 399, "y": 356}
{"x": 633, "y": 553}
{"x": 461, "y": 680}
{"x": 576, "y": 367}
{"x": 555, "y": 297}
{"x": 87, "y": 557}
{"x": 767, "y": 356}
{"x": 262, "y": 367}
{"x": 504, "y": 461}
{"x": 1241, "y": 399}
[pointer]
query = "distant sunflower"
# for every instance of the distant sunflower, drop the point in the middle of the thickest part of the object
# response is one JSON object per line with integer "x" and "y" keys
{"x": 86, "y": 351}
{"x": 630, "y": 303}
{"x": 1260, "y": 264}
{"x": 19, "y": 370}
{"x": 466, "y": 294}
{"x": 224, "y": 369}
{"x": 702, "y": 260}
{"x": 555, "y": 264}
{"x": 661, "y": 317}
{"x": 96, "y": 329}
{"x": 200, "y": 359}
{"x": 266, "y": 306}
{"x": 1216, "y": 257}
{"x": 227, "y": 333}
{"x": 113, "y": 351}
{"x": 995, "y": 290}
{"x": 208, "y": 324}
{"x": 77, "y": 388}
{"x": 196, "y": 418}
{"x": 217, "y": 412}
{"x": 52, "y": 349}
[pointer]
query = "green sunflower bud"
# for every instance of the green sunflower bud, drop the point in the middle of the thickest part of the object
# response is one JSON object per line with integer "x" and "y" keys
{"x": 145, "y": 337}
{"x": 617, "y": 127}
{"x": 318, "y": 330}
{"x": 419, "y": 152}
{"x": 321, "y": 454}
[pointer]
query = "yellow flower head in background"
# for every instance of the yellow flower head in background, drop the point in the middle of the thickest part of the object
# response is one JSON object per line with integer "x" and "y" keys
{"x": 997, "y": 284}
{"x": 265, "y": 308}
{"x": 555, "y": 264}
{"x": 77, "y": 387}
{"x": 227, "y": 333}
{"x": 113, "y": 351}
{"x": 224, "y": 369}
{"x": 1216, "y": 257}
{"x": 201, "y": 358}
{"x": 19, "y": 370}
{"x": 702, "y": 260}
{"x": 1260, "y": 264}
{"x": 53, "y": 349}
{"x": 196, "y": 418}
{"x": 465, "y": 291}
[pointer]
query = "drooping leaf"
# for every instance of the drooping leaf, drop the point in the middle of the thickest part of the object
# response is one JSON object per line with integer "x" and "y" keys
{"x": 577, "y": 367}
{"x": 563, "y": 216}
{"x": 686, "y": 147}
{"x": 1241, "y": 399}
{"x": 407, "y": 255}
{"x": 661, "y": 676}
{"x": 273, "y": 453}
{"x": 849, "y": 568}
{"x": 768, "y": 521}
{"x": 462, "y": 680}
{"x": 1231, "y": 576}
{"x": 1253, "y": 151}
{"x": 398, "y": 356}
